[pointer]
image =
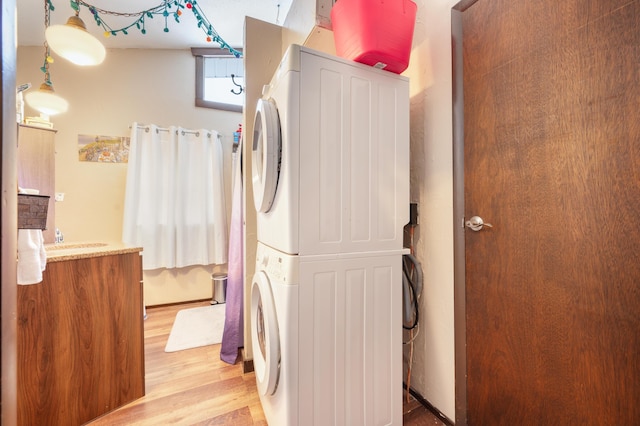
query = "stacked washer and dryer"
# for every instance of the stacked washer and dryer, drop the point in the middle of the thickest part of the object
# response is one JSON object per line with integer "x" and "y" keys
{"x": 331, "y": 188}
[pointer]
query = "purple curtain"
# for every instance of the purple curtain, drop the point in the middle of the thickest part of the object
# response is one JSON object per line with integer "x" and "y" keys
{"x": 233, "y": 334}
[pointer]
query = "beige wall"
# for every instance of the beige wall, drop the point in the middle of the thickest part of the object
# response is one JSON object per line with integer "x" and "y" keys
{"x": 265, "y": 44}
{"x": 142, "y": 85}
{"x": 93, "y": 205}
{"x": 306, "y": 24}
{"x": 431, "y": 183}
{"x": 432, "y": 188}
{"x": 262, "y": 42}
{"x": 433, "y": 371}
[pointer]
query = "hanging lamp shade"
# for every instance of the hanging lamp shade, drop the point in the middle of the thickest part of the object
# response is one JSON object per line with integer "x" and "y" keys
{"x": 46, "y": 101}
{"x": 74, "y": 43}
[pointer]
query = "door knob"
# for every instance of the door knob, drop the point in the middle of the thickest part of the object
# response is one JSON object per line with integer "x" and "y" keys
{"x": 476, "y": 223}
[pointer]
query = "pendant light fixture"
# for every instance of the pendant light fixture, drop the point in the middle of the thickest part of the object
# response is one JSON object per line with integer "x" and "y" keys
{"x": 73, "y": 42}
{"x": 45, "y": 99}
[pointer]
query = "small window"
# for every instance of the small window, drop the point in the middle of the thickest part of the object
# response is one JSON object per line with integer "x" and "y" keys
{"x": 219, "y": 79}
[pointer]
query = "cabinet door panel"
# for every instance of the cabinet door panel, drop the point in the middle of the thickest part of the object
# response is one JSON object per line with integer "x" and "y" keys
{"x": 80, "y": 340}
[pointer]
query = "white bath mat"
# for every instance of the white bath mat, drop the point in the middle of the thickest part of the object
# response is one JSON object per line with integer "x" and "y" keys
{"x": 196, "y": 327}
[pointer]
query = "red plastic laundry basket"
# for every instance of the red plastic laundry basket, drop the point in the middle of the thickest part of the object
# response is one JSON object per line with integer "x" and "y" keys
{"x": 375, "y": 32}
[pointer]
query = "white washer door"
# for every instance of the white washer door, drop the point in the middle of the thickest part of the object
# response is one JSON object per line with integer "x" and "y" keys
{"x": 265, "y": 155}
{"x": 264, "y": 335}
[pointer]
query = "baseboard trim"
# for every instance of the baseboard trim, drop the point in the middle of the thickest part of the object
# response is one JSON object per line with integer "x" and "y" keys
{"x": 426, "y": 404}
{"x": 247, "y": 364}
{"x": 186, "y": 302}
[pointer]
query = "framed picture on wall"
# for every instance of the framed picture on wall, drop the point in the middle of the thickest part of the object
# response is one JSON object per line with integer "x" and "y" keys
{"x": 103, "y": 149}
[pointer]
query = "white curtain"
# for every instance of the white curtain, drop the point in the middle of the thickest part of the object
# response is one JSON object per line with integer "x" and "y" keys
{"x": 174, "y": 202}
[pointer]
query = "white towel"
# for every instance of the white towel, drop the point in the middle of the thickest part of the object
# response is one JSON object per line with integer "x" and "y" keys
{"x": 32, "y": 257}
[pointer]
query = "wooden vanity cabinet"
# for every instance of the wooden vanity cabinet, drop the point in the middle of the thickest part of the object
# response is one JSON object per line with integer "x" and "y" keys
{"x": 36, "y": 168}
{"x": 80, "y": 340}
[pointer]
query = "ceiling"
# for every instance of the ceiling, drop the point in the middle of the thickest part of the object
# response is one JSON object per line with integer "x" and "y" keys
{"x": 226, "y": 16}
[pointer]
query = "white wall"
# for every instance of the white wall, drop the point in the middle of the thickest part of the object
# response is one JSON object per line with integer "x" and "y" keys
{"x": 432, "y": 188}
{"x": 143, "y": 85}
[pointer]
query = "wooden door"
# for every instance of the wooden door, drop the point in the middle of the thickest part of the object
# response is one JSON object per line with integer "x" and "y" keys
{"x": 552, "y": 160}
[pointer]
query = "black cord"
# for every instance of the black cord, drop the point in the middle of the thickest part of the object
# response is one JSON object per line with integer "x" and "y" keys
{"x": 408, "y": 263}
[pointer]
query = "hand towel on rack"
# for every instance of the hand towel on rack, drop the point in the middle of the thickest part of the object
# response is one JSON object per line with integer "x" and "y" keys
{"x": 32, "y": 257}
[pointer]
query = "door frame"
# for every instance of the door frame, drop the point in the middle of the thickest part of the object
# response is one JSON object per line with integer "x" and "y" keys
{"x": 9, "y": 212}
{"x": 459, "y": 272}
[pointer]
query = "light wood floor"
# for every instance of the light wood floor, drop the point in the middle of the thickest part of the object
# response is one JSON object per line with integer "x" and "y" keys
{"x": 194, "y": 387}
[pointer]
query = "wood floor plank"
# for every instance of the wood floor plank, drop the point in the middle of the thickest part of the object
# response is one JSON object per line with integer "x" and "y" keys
{"x": 195, "y": 387}
{"x": 187, "y": 387}
{"x": 241, "y": 417}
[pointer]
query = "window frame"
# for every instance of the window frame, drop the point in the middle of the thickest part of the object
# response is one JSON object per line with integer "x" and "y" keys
{"x": 200, "y": 53}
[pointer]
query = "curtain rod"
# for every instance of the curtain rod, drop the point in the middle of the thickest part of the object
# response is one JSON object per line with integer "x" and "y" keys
{"x": 164, "y": 129}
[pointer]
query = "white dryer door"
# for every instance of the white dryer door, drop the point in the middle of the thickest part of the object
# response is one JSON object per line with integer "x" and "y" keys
{"x": 264, "y": 335}
{"x": 265, "y": 155}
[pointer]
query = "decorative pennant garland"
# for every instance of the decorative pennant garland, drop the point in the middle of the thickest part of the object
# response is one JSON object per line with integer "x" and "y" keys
{"x": 167, "y": 9}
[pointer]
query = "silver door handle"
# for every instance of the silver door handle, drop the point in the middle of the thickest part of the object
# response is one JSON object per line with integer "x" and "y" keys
{"x": 476, "y": 223}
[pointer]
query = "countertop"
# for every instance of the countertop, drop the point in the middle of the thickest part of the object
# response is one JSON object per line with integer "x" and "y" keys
{"x": 82, "y": 250}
